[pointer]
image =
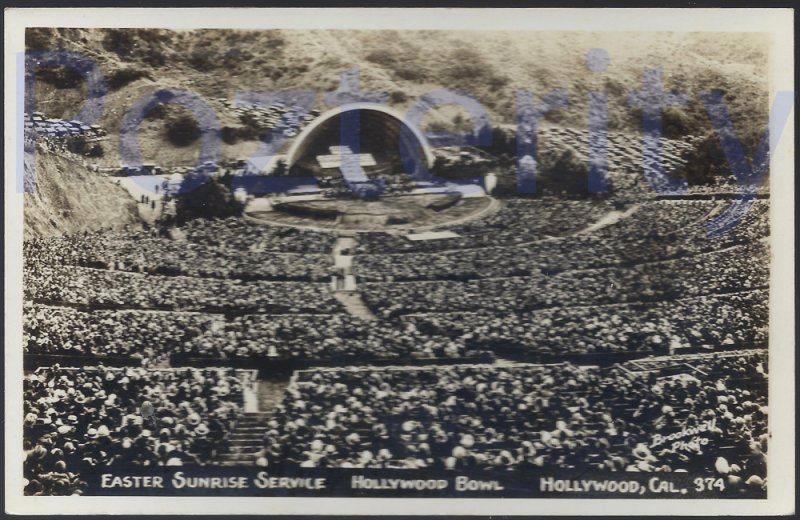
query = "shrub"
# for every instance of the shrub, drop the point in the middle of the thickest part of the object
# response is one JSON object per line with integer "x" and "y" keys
{"x": 121, "y": 77}
{"x": 205, "y": 198}
{"x": 203, "y": 59}
{"x": 159, "y": 111}
{"x": 677, "y": 124}
{"x": 146, "y": 45}
{"x": 467, "y": 66}
{"x": 80, "y": 145}
{"x": 229, "y": 135}
{"x": 707, "y": 160}
{"x": 398, "y": 96}
{"x": 60, "y": 77}
{"x": 561, "y": 170}
{"x": 381, "y": 57}
{"x": 120, "y": 42}
{"x": 38, "y": 38}
{"x": 410, "y": 73}
{"x": 183, "y": 131}
{"x": 235, "y": 57}
{"x": 498, "y": 82}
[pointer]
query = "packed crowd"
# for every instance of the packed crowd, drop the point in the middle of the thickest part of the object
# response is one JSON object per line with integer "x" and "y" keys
{"x": 338, "y": 336}
{"x": 651, "y": 281}
{"x": 286, "y": 120}
{"x": 737, "y": 320}
{"x": 36, "y": 124}
{"x": 526, "y": 416}
{"x": 81, "y": 285}
{"x": 142, "y": 252}
{"x": 149, "y": 336}
{"x": 735, "y": 269}
{"x": 152, "y": 336}
{"x": 242, "y": 235}
{"x": 121, "y": 417}
{"x": 519, "y": 221}
{"x": 657, "y": 230}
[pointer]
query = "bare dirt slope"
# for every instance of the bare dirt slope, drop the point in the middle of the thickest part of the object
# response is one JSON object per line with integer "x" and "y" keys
{"x": 66, "y": 197}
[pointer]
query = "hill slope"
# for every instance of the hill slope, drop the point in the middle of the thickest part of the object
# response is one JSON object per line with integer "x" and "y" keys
{"x": 68, "y": 197}
{"x": 491, "y": 67}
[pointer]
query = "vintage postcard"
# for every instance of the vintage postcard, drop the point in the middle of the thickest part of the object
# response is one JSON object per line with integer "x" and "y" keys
{"x": 322, "y": 261}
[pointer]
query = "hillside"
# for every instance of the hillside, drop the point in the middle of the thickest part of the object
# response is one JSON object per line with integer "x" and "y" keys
{"x": 67, "y": 197}
{"x": 489, "y": 66}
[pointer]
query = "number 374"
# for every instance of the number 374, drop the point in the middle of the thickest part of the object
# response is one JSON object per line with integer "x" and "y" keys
{"x": 708, "y": 484}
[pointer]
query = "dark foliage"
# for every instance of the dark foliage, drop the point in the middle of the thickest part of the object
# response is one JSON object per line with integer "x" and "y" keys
{"x": 121, "y": 77}
{"x": 205, "y": 198}
{"x": 60, "y": 77}
{"x": 82, "y": 146}
{"x": 183, "y": 131}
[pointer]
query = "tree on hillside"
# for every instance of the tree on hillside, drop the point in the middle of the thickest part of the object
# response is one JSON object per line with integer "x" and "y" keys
{"x": 203, "y": 58}
{"x": 146, "y": 45}
{"x": 80, "y": 145}
{"x": 280, "y": 169}
{"x": 122, "y": 77}
{"x": 561, "y": 170}
{"x": 183, "y": 131}
{"x": 210, "y": 200}
{"x": 503, "y": 142}
{"x": 60, "y": 77}
{"x": 707, "y": 160}
{"x": 39, "y": 38}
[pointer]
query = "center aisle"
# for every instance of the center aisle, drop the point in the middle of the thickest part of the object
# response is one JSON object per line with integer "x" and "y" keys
{"x": 344, "y": 282}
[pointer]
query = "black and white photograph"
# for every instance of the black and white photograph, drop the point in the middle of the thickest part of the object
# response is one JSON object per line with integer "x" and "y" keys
{"x": 255, "y": 256}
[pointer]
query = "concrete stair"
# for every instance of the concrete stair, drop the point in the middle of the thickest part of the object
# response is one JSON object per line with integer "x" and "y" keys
{"x": 355, "y": 306}
{"x": 270, "y": 391}
{"x": 246, "y": 440}
{"x": 347, "y": 294}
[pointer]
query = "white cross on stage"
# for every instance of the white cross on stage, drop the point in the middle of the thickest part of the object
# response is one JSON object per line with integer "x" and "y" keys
{"x": 339, "y": 153}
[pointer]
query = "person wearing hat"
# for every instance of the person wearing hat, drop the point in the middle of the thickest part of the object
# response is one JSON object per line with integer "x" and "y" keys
{"x": 71, "y": 454}
{"x": 642, "y": 452}
{"x": 217, "y": 430}
{"x": 34, "y": 488}
{"x": 174, "y": 461}
{"x": 29, "y": 423}
{"x": 139, "y": 453}
{"x": 37, "y": 454}
{"x": 201, "y": 445}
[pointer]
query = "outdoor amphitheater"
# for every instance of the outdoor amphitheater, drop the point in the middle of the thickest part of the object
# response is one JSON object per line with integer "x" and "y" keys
{"x": 428, "y": 324}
